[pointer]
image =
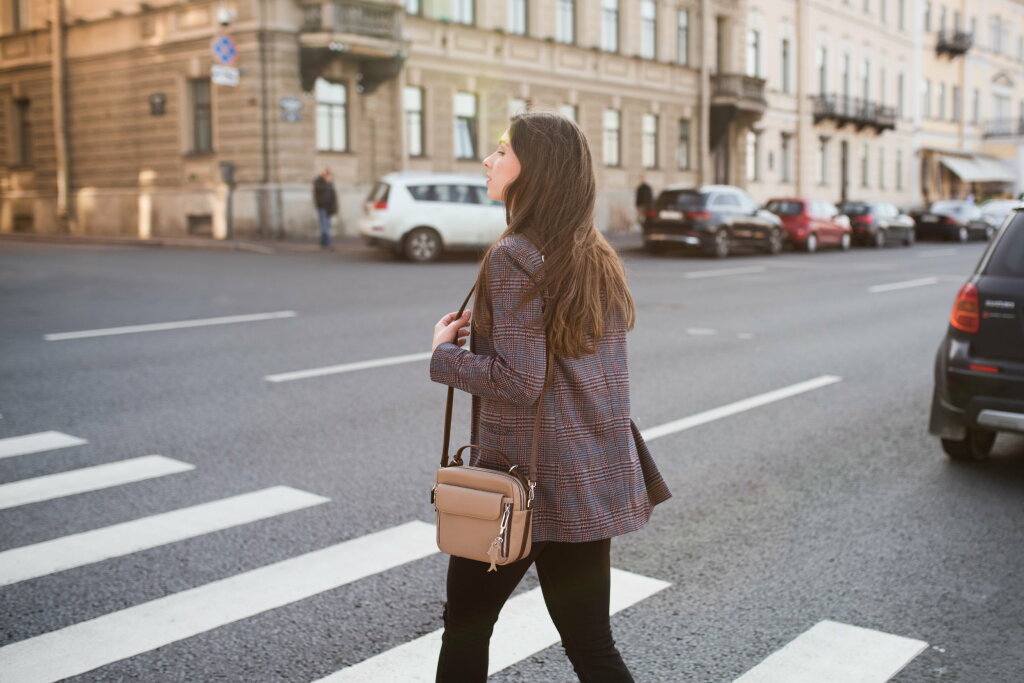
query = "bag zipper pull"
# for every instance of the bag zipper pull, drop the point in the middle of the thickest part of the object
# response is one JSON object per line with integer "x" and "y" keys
{"x": 493, "y": 553}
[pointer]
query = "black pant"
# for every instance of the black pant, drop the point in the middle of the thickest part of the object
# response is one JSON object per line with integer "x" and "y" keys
{"x": 575, "y": 579}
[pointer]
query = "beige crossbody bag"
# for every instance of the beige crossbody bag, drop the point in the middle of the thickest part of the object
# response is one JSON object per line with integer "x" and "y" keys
{"x": 485, "y": 514}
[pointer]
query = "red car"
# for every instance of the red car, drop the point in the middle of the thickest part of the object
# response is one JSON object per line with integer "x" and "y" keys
{"x": 812, "y": 223}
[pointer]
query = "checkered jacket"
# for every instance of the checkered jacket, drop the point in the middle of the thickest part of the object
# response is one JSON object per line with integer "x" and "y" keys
{"x": 596, "y": 478}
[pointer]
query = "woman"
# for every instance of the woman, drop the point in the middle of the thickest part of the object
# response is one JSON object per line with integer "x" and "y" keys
{"x": 553, "y": 281}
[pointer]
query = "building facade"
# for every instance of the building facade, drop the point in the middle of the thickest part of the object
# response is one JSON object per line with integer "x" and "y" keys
{"x": 211, "y": 117}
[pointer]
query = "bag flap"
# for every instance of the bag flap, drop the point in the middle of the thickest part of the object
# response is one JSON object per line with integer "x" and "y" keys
{"x": 466, "y": 502}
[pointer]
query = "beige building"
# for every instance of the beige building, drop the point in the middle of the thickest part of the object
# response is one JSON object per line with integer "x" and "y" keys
{"x": 211, "y": 117}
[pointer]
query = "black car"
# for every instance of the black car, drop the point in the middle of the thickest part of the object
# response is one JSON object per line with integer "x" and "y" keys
{"x": 877, "y": 224}
{"x": 714, "y": 219}
{"x": 979, "y": 369}
{"x": 956, "y": 220}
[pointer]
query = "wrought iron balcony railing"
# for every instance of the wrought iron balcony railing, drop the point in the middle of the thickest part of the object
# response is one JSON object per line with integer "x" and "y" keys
{"x": 1004, "y": 128}
{"x": 351, "y": 16}
{"x": 859, "y": 112}
{"x": 954, "y": 43}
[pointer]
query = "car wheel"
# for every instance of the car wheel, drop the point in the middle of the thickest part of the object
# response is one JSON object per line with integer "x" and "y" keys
{"x": 908, "y": 241}
{"x": 844, "y": 242}
{"x": 811, "y": 245}
{"x": 962, "y": 235}
{"x": 775, "y": 241}
{"x": 422, "y": 245}
{"x": 720, "y": 246}
{"x": 879, "y": 239}
{"x": 976, "y": 445}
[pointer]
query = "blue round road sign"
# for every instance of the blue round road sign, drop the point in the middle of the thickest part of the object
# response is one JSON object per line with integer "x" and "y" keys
{"x": 224, "y": 50}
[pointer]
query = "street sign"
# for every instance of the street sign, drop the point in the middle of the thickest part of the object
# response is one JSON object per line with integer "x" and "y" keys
{"x": 224, "y": 50}
{"x": 290, "y": 109}
{"x": 224, "y": 75}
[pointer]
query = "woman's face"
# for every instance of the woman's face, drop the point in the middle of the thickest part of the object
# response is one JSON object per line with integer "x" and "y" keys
{"x": 502, "y": 168}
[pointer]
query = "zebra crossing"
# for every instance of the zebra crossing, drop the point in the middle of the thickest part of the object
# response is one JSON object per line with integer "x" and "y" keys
{"x": 825, "y": 652}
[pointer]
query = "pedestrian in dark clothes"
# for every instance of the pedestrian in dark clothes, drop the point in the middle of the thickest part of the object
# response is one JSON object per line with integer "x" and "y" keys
{"x": 326, "y": 200}
{"x": 550, "y": 282}
{"x": 644, "y": 200}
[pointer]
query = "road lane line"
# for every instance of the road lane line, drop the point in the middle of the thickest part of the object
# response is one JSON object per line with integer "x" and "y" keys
{"x": 347, "y": 367}
{"x": 936, "y": 252}
{"x": 37, "y": 443}
{"x": 88, "y": 645}
{"x": 723, "y": 272}
{"x": 523, "y": 629}
{"x": 93, "y": 478}
{"x": 159, "y": 327}
{"x": 906, "y": 284}
{"x": 77, "y": 550}
{"x": 838, "y": 653}
{"x": 701, "y": 331}
{"x": 738, "y": 407}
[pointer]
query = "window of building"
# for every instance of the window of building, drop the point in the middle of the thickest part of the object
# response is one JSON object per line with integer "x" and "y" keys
{"x": 569, "y": 111}
{"x": 413, "y": 7}
{"x": 648, "y": 29}
{"x": 881, "y": 167}
{"x": 787, "y": 57}
{"x": 823, "y": 160}
{"x": 901, "y": 16}
{"x": 866, "y": 79}
{"x": 649, "y": 141}
{"x": 882, "y": 99}
{"x": 465, "y": 125}
{"x": 942, "y": 19}
{"x": 202, "y": 116}
{"x": 21, "y": 126}
{"x": 753, "y": 52}
{"x": 976, "y": 106}
{"x": 683, "y": 146}
{"x": 882, "y": 10}
{"x": 957, "y": 104}
{"x": 612, "y": 137}
{"x": 785, "y": 158}
{"x": 683, "y": 36}
{"x": 899, "y": 169}
{"x": 413, "y": 98}
{"x": 463, "y": 12}
{"x": 927, "y": 16}
{"x": 864, "y": 166}
{"x": 565, "y": 21}
{"x": 958, "y": 21}
{"x": 867, "y": 6}
{"x": 844, "y": 74}
{"x": 822, "y": 70}
{"x": 753, "y": 156}
{"x": 21, "y": 12}
{"x": 331, "y": 116}
{"x": 926, "y": 97}
{"x": 517, "y": 17}
{"x": 610, "y": 25}
{"x": 942, "y": 101}
{"x": 900, "y": 84}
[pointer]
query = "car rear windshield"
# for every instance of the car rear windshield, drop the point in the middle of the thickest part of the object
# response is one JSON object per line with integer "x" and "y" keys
{"x": 1007, "y": 259}
{"x": 855, "y": 209}
{"x": 681, "y": 200}
{"x": 379, "y": 193}
{"x": 785, "y": 208}
{"x": 947, "y": 208}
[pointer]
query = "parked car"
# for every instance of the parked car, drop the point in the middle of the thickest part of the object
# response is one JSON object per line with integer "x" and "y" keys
{"x": 877, "y": 224}
{"x": 421, "y": 215}
{"x": 956, "y": 220}
{"x": 811, "y": 223}
{"x": 979, "y": 368}
{"x": 995, "y": 211}
{"x": 715, "y": 219}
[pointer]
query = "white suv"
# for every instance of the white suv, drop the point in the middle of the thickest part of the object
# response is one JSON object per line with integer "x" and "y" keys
{"x": 419, "y": 215}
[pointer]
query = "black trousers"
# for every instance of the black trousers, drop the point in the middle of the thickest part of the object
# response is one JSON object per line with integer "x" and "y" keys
{"x": 575, "y": 579}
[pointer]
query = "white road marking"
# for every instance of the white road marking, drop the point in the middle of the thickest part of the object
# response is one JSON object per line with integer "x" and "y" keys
{"x": 347, "y": 367}
{"x": 62, "y": 484}
{"x": 37, "y": 443}
{"x": 76, "y": 550}
{"x": 700, "y": 331}
{"x": 936, "y": 252}
{"x": 906, "y": 284}
{"x": 745, "y": 335}
{"x": 523, "y": 629}
{"x": 837, "y": 653}
{"x": 112, "y": 637}
{"x": 723, "y": 272}
{"x": 738, "y": 407}
{"x": 159, "y": 327}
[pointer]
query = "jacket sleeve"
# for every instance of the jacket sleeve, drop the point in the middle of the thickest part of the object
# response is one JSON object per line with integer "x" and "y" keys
{"x": 516, "y": 372}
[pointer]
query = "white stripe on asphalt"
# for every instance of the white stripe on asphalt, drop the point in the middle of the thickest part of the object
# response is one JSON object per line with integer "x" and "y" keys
{"x": 67, "y": 552}
{"x": 62, "y": 484}
{"x": 159, "y": 327}
{"x": 700, "y": 331}
{"x": 906, "y": 284}
{"x": 722, "y": 272}
{"x": 88, "y": 645}
{"x": 837, "y": 653}
{"x": 523, "y": 629}
{"x": 738, "y": 407}
{"x": 347, "y": 367}
{"x": 936, "y": 252}
{"x": 36, "y": 443}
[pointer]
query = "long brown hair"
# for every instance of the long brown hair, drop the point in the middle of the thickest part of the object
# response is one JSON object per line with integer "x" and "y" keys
{"x": 551, "y": 203}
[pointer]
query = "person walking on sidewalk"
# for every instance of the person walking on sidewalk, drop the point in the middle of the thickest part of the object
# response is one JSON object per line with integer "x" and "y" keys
{"x": 644, "y": 201}
{"x": 550, "y": 282}
{"x": 326, "y": 201}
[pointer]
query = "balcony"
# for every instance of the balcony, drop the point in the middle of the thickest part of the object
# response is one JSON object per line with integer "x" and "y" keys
{"x": 954, "y": 43}
{"x": 368, "y": 33}
{"x": 852, "y": 110}
{"x": 738, "y": 95}
{"x": 1004, "y": 128}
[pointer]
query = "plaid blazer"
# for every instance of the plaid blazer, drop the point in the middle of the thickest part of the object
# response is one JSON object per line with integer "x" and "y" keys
{"x": 596, "y": 478}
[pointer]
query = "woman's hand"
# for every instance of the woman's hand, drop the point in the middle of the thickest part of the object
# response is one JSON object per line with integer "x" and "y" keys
{"x": 451, "y": 328}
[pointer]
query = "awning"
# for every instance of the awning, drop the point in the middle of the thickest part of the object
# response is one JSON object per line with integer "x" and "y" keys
{"x": 977, "y": 169}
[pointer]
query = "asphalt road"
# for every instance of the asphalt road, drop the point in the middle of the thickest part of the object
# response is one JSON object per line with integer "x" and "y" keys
{"x": 832, "y": 504}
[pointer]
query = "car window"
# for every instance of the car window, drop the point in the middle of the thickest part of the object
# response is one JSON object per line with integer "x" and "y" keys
{"x": 379, "y": 193}
{"x": 855, "y": 209}
{"x": 725, "y": 200}
{"x": 972, "y": 212}
{"x": 785, "y": 207}
{"x": 424, "y": 193}
{"x": 681, "y": 200}
{"x": 830, "y": 209}
{"x": 947, "y": 207}
{"x": 1007, "y": 259}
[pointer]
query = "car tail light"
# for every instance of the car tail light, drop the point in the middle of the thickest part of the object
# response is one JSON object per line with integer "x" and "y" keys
{"x": 652, "y": 213}
{"x": 950, "y": 220}
{"x": 864, "y": 220}
{"x": 380, "y": 206}
{"x": 965, "y": 309}
{"x": 982, "y": 368}
{"x": 698, "y": 215}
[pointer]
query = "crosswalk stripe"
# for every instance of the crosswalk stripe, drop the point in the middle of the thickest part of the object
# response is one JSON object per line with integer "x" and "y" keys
{"x": 50, "y": 486}
{"x": 523, "y": 629}
{"x": 91, "y": 644}
{"x": 837, "y": 653}
{"x": 76, "y": 550}
{"x": 37, "y": 443}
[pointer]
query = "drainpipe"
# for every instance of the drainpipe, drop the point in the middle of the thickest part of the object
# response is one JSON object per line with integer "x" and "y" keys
{"x": 704, "y": 95}
{"x": 60, "y": 132}
{"x": 264, "y": 199}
